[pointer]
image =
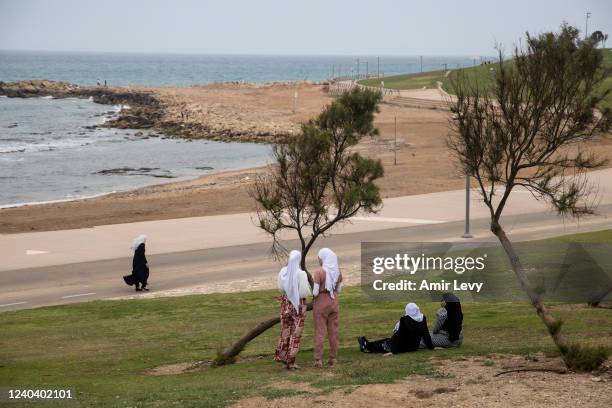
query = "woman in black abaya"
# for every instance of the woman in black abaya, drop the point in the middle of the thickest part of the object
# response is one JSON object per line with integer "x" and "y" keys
{"x": 140, "y": 269}
{"x": 448, "y": 329}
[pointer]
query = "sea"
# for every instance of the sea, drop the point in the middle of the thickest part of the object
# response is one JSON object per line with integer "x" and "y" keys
{"x": 51, "y": 151}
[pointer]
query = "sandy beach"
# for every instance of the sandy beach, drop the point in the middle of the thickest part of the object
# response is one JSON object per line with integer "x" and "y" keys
{"x": 262, "y": 113}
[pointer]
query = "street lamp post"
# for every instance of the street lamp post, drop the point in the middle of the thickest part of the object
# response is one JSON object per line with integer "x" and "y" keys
{"x": 467, "y": 233}
{"x": 586, "y": 25}
{"x": 395, "y": 145}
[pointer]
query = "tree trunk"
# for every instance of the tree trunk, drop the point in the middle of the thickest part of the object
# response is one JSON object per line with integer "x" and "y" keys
{"x": 229, "y": 355}
{"x": 599, "y": 297}
{"x": 553, "y": 325}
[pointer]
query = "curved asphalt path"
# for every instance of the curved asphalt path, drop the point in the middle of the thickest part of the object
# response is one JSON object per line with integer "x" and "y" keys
{"x": 101, "y": 279}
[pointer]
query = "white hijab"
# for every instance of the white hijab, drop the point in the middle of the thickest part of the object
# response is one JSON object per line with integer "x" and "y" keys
{"x": 289, "y": 279}
{"x": 329, "y": 263}
{"x": 412, "y": 311}
{"x": 141, "y": 239}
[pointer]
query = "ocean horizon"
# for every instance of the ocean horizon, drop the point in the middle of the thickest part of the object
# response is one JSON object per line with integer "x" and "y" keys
{"x": 121, "y": 69}
{"x": 63, "y": 159}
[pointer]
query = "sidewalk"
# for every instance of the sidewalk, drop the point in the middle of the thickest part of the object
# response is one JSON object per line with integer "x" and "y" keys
{"x": 38, "y": 249}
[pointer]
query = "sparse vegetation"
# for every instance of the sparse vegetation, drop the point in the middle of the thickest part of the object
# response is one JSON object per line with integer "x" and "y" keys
{"x": 585, "y": 358}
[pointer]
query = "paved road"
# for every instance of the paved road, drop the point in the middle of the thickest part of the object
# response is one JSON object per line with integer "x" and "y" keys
{"x": 54, "y": 267}
{"x": 77, "y": 282}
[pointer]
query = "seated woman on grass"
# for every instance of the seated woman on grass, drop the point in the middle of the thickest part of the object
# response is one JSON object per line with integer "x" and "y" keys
{"x": 408, "y": 334}
{"x": 447, "y": 331}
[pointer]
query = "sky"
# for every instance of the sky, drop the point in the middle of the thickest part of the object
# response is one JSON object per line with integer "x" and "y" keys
{"x": 288, "y": 27}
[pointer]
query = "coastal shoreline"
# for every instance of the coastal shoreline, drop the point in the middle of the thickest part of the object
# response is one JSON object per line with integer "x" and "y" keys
{"x": 424, "y": 164}
{"x": 156, "y": 109}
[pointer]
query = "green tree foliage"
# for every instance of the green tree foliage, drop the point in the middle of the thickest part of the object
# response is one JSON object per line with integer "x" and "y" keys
{"x": 530, "y": 128}
{"x": 319, "y": 180}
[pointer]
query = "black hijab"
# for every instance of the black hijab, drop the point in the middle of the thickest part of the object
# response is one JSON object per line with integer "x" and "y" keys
{"x": 454, "y": 318}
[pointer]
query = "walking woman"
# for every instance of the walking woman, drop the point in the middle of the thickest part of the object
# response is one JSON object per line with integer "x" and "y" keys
{"x": 327, "y": 286}
{"x": 140, "y": 267}
{"x": 448, "y": 330}
{"x": 293, "y": 283}
{"x": 409, "y": 333}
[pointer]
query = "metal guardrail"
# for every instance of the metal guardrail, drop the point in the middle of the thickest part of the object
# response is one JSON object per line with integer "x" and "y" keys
{"x": 336, "y": 88}
{"x": 390, "y": 96}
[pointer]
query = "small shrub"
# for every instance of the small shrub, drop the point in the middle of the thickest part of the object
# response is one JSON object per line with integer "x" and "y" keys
{"x": 585, "y": 358}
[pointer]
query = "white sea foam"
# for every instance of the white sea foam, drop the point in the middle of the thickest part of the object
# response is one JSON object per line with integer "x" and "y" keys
{"x": 64, "y": 200}
{"x": 44, "y": 147}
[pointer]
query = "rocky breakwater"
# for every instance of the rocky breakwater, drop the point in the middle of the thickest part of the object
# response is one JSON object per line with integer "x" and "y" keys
{"x": 148, "y": 109}
{"x": 142, "y": 109}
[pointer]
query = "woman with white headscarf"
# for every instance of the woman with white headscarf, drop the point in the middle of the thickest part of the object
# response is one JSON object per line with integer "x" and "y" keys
{"x": 293, "y": 283}
{"x": 140, "y": 267}
{"x": 407, "y": 335}
{"x": 327, "y": 285}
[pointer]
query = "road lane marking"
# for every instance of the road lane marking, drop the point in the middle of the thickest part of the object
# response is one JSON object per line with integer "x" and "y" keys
{"x": 12, "y": 304}
{"x": 391, "y": 219}
{"x": 80, "y": 294}
{"x": 35, "y": 252}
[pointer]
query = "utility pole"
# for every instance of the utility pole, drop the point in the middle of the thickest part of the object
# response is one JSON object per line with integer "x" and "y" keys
{"x": 421, "y": 63}
{"x": 367, "y": 71}
{"x": 467, "y": 233}
{"x": 395, "y": 145}
{"x": 586, "y": 25}
{"x": 445, "y": 65}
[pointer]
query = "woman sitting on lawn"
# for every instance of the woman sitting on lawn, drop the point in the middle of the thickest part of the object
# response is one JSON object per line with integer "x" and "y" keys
{"x": 408, "y": 333}
{"x": 447, "y": 331}
{"x": 293, "y": 283}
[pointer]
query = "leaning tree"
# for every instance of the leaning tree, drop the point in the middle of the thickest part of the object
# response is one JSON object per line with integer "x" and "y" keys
{"x": 529, "y": 128}
{"x": 318, "y": 180}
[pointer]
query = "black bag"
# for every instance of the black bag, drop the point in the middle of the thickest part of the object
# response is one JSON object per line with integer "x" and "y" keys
{"x": 129, "y": 280}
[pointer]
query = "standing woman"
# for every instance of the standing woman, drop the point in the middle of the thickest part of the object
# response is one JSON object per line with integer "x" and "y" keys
{"x": 327, "y": 285}
{"x": 293, "y": 283}
{"x": 140, "y": 268}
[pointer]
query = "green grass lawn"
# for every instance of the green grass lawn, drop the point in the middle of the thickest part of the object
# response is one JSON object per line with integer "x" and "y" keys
{"x": 482, "y": 74}
{"x": 409, "y": 81}
{"x": 608, "y": 81}
{"x": 102, "y": 349}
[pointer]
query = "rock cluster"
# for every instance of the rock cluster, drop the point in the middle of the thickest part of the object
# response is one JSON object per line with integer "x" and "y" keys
{"x": 145, "y": 110}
